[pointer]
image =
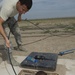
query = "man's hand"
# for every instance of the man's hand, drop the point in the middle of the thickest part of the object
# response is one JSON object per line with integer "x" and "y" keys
{"x": 7, "y": 43}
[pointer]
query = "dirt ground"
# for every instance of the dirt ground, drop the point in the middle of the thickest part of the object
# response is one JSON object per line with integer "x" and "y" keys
{"x": 50, "y": 36}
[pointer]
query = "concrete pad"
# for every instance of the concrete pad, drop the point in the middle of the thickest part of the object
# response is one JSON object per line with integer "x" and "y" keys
{"x": 67, "y": 65}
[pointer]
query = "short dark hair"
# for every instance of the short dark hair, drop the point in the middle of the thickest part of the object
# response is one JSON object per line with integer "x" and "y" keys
{"x": 41, "y": 73}
{"x": 28, "y": 3}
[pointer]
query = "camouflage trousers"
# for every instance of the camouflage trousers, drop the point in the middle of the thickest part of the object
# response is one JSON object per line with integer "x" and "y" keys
{"x": 11, "y": 25}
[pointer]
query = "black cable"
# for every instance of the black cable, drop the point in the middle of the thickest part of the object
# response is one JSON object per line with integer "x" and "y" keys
{"x": 40, "y": 29}
{"x": 35, "y": 25}
{"x": 11, "y": 62}
{"x": 9, "y": 52}
{"x": 60, "y": 53}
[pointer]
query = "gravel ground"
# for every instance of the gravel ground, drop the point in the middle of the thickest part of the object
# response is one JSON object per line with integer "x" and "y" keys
{"x": 52, "y": 38}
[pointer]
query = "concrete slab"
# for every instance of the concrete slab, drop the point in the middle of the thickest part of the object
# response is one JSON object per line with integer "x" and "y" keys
{"x": 6, "y": 69}
{"x": 60, "y": 70}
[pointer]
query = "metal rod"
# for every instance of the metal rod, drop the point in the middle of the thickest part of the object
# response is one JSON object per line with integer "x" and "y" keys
{"x": 66, "y": 52}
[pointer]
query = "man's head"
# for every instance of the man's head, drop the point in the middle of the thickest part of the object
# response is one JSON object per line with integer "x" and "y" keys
{"x": 23, "y": 6}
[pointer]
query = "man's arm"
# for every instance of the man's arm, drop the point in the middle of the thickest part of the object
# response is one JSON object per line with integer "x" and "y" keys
{"x": 19, "y": 17}
{"x": 3, "y": 33}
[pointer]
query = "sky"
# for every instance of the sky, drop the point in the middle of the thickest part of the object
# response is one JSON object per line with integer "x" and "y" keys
{"x": 50, "y": 9}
